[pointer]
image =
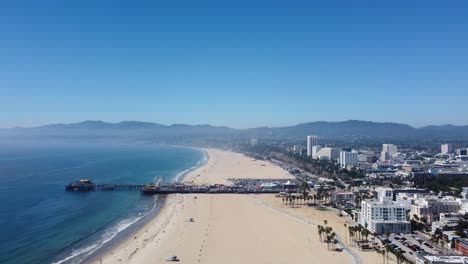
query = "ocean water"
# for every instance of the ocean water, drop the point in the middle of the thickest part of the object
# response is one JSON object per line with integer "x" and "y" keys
{"x": 40, "y": 222}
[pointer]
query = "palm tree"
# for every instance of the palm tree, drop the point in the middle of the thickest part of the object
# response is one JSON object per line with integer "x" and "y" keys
{"x": 345, "y": 225}
{"x": 365, "y": 233}
{"x": 358, "y": 230}
{"x": 304, "y": 186}
{"x": 325, "y": 222}
{"x": 383, "y": 255}
{"x": 332, "y": 239}
{"x": 320, "y": 231}
{"x": 351, "y": 235}
{"x": 387, "y": 249}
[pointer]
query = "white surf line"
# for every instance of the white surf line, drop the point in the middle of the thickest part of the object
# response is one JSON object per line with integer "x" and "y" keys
{"x": 355, "y": 258}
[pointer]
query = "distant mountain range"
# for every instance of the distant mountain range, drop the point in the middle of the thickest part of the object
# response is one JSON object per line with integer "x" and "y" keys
{"x": 135, "y": 130}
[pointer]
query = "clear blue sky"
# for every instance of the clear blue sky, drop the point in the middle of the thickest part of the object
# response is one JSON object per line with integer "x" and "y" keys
{"x": 241, "y": 64}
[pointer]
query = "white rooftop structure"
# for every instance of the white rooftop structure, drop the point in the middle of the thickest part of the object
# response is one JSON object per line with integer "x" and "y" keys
{"x": 441, "y": 259}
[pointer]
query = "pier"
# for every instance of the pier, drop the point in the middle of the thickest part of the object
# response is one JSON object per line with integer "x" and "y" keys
{"x": 251, "y": 186}
{"x": 87, "y": 185}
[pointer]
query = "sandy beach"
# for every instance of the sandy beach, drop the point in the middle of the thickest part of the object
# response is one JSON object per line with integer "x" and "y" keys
{"x": 234, "y": 228}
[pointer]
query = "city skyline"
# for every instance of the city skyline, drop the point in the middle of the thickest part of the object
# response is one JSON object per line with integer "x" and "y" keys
{"x": 243, "y": 64}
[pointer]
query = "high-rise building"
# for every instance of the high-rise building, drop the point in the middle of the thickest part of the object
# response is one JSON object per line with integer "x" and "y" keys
{"x": 446, "y": 148}
{"x": 390, "y": 148}
{"x": 297, "y": 149}
{"x": 311, "y": 141}
{"x": 348, "y": 159}
{"x": 384, "y": 155}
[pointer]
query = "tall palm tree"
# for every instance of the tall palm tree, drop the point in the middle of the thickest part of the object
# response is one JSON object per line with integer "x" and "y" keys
{"x": 320, "y": 231}
{"x": 332, "y": 239}
{"x": 345, "y": 225}
{"x": 387, "y": 249}
{"x": 304, "y": 186}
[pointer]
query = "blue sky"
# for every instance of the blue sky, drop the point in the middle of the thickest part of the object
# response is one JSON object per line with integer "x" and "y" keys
{"x": 236, "y": 63}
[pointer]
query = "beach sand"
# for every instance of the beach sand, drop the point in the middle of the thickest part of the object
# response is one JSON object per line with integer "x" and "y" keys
{"x": 233, "y": 228}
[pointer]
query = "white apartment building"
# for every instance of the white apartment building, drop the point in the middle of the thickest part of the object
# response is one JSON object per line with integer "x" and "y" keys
{"x": 315, "y": 150}
{"x": 407, "y": 199}
{"x": 384, "y": 194}
{"x": 311, "y": 141}
{"x": 382, "y": 217}
{"x": 297, "y": 149}
{"x": 388, "y": 152}
{"x": 446, "y": 148}
{"x": 390, "y": 148}
{"x": 430, "y": 207}
{"x": 348, "y": 159}
{"x": 384, "y": 156}
{"x": 328, "y": 154}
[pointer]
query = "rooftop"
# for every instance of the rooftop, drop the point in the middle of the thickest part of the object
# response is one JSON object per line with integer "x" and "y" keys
{"x": 445, "y": 258}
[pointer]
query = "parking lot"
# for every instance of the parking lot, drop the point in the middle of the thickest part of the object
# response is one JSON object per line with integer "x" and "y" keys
{"x": 410, "y": 244}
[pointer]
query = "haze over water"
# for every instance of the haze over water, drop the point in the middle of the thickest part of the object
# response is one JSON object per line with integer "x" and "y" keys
{"x": 42, "y": 223}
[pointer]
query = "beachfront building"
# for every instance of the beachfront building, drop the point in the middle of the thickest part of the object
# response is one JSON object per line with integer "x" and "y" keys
{"x": 348, "y": 159}
{"x": 440, "y": 259}
{"x": 382, "y": 217}
{"x": 430, "y": 207}
{"x": 311, "y": 141}
{"x": 446, "y": 149}
{"x": 341, "y": 197}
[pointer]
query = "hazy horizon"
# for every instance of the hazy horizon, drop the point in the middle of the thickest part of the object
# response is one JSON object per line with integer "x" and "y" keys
{"x": 240, "y": 64}
{"x": 258, "y": 126}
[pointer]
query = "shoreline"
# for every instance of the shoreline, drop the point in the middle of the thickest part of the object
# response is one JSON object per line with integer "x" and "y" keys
{"x": 142, "y": 223}
{"x": 232, "y": 228}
